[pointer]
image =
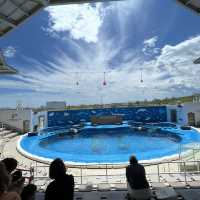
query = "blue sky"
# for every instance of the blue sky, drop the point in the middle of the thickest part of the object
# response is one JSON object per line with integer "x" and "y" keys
{"x": 63, "y": 45}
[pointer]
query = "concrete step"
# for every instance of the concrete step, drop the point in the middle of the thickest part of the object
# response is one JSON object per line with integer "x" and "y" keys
{"x": 5, "y": 132}
{"x": 10, "y": 135}
{"x": 166, "y": 193}
{"x": 2, "y": 129}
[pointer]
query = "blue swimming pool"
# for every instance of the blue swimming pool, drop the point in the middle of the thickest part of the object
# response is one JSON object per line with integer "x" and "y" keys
{"x": 109, "y": 144}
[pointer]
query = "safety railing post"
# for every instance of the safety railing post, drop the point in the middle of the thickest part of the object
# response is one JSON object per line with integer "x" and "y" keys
{"x": 185, "y": 173}
{"x": 33, "y": 173}
{"x": 106, "y": 173}
{"x": 36, "y": 169}
{"x": 198, "y": 166}
{"x": 193, "y": 152}
{"x": 168, "y": 168}
{"x": 164, "y": 168}
{"x": 158, "y": 170}
{"x": 32, "y": 176}
{"x": 81, "y": 175}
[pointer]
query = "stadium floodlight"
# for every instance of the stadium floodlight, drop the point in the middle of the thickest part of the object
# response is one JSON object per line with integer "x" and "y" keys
{"x": 192, "y": 4}
{"x": 4, "y": 68}
{"x": 197, "y": 61}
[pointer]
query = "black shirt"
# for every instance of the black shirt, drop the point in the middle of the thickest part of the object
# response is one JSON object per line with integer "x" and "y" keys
{"x": 136, "y": 177}
{"x": 61, "y": 189}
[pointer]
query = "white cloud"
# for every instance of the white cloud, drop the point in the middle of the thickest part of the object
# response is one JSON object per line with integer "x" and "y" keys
{"x": 169, "y": 71}
{"x": 84, "y": 21}
{"x": 151, "y": 42}
{"x": 9, "y": 51}
{"x": 150, "y": 46}
{"x": 81, "y": 21}
{"x": 172, "y": 73}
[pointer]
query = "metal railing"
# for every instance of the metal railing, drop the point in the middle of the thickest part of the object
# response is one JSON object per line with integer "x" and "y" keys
{"x": 176, "y": 171}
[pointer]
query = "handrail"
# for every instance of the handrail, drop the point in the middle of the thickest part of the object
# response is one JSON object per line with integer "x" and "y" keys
{"x": 119, "y": 166}
{"x": 110, "y": 175}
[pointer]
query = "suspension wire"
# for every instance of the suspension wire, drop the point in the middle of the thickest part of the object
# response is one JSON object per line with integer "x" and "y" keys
{"x": 141, "y": 77}
{"x": 77, "y": 81}
{"x": 104, "y": 79}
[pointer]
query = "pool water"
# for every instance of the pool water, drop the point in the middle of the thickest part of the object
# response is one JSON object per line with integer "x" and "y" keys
{"x": 110, "y": 146}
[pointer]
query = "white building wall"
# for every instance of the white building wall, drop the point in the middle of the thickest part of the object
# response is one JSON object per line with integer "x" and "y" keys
{"x": 15, "y": 118}
{"x": 191, "y": 107}
{"x": 182, "y": 112}
{"x": 36, "y": 117}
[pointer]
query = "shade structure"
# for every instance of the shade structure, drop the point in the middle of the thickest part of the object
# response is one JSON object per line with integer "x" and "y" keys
{"x": 192, "y": 4}
{"x": 4, "y": 68}
{"x": 14, "y": 12}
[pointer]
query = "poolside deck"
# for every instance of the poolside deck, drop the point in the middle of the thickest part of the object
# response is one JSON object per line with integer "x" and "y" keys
{"x": 110, "y": 183}
{"x": 181, "y": 194}
{"x": 168, "y": 171}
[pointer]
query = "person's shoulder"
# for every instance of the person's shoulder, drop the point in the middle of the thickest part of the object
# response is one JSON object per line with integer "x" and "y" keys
{"x": 140, "y": 165}
{"x": 69, "y": 176}
{"x": 52, "y": 184}
{"x": 128, "y": 166}
{"x": 11, "y": 196}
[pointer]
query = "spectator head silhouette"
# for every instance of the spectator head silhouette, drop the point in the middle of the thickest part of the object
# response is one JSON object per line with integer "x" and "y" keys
{"x": 10, "y": 164}
{"x": 16, "y": 175}
{"x": 133, "y": 160}
{"x": 57, "y": 169}
{"x": 4, "y": 178}
{"x": 28, "y": 192}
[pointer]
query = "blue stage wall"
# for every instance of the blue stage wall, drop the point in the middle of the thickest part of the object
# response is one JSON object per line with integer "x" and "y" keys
{"x": 138, "y": 114}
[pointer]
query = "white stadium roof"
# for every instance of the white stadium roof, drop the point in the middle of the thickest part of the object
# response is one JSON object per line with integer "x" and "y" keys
{"x": 192, "y": 4}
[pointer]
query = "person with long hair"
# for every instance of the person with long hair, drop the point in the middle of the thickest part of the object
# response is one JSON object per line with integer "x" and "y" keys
{"x": 4, "y": 185}
{"x": 62, "y": 187}
{"x": 16, "y": 179}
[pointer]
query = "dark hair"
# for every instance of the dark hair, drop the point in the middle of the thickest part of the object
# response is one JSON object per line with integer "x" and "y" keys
{"x": 10, "y": 164}
{"x": 57, "y": 169}
{"x": 16, "y": 175}
{"x": 4, "y": 178}
{"x": 133, "y": 160}
{"x": 28, "y": 191}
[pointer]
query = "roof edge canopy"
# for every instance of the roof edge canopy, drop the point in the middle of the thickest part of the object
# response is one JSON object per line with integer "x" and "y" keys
{"x": 14, "y": 12}
{"x": 192, "y": 4}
